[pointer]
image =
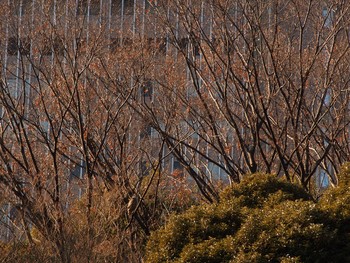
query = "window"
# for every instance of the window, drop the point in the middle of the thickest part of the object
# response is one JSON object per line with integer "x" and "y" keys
{"x": 195, "y": 47}
{"x": 146, "y": 132}
{"x": 322, "y": 179}
{"x": 177, "y": 165}
{"x": 78, "y": 172}
{"x": 26, "y": 7}
{"x": 213, "y": 169}
{"x": 12, "y": 46}
{"x": 21, "y": 7}
{"x": 127, "y": 6}
{"x": 150, "y": 5}
{"x": 147, "y": 90}
{"x": 328, "y": 98}
{"x": 161, "y": 44}
{"x": 327, "y": 14}
{"x": 12, "y": 88}
{"x": 116, "y": 43}
{"x": 183, "y": 43}
{"x": 177, "y": 168}
{"x": 83, "y": 7}
{"x": 54, "y": 47}
{"x": 186, "y": 45}
{"x": 58, "y": 46}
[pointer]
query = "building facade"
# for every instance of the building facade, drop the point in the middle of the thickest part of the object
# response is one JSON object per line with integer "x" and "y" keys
{"x": 106, "y": 93}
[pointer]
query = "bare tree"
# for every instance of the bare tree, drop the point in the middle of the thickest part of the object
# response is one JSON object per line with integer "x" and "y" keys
{"x": 261, "y": 86}
{"x": 68, "y": 129}
{"x": 119, "y": 99}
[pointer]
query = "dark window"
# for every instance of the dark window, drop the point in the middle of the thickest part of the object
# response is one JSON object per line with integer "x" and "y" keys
{"x": 21, "y": 8}
{"x": 149, "y": 4}
{"x": 82, "y": 7}
{"x": 183, "y": 44}
{"x": 16, "y": 7}
{"x": 114, "y": 44}
{"x": 26, "y": 6}
{"x": 117, "y": 6}
{"x": 161, "y": 45}
{"x": 195, "y": 48}
{"x": 14, "y": 45}
{"x": 58, "y": 46}
{"x": 177, "y": 165}
{"x": 55, "y": 47}
{"x": 46, "y": 50}
{"x": 146, "y": 132}
{"x": 178, "y": 169}
{"x": 126, "y": 42}
{"x": 94, "y": 7}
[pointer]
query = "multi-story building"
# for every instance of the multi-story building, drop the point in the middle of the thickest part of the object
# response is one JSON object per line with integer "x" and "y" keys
{"x": 121, "y": 90}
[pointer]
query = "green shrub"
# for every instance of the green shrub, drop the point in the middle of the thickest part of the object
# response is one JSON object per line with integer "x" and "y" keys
{"x": 195, "y": 226}
{"x": 336, "y": 203}
{"x": 255, "y": 190}
{"x": 263, "y": 219}
{"x": 291, "y": 228}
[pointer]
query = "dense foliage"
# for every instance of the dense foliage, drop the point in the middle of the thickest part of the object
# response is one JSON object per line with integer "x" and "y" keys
{"x": 117, "y": 236}
{"x": 263, "y": 219}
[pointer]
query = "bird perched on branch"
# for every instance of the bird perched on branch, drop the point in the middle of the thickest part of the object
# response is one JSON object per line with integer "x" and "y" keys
{"x": 132, "y": 204}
